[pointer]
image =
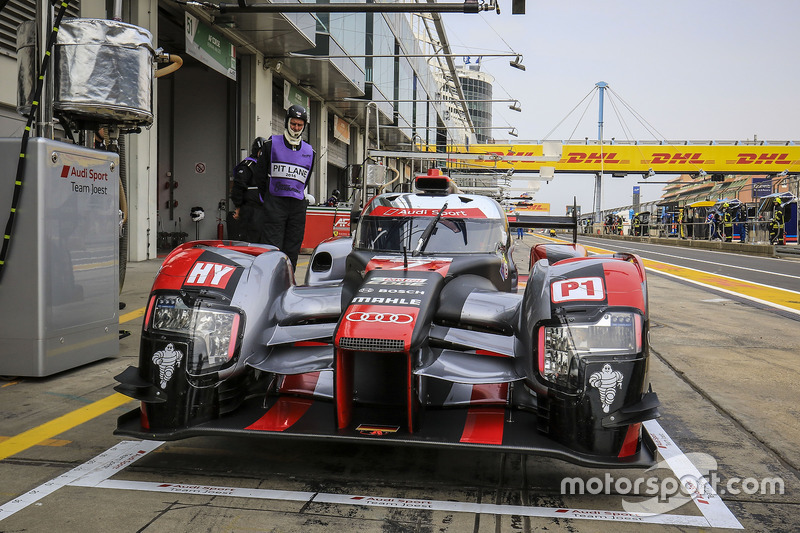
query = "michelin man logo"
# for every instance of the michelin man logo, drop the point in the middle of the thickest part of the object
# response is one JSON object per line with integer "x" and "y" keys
{"x": 607, "y": 381}
{"x": 167, "y": 360}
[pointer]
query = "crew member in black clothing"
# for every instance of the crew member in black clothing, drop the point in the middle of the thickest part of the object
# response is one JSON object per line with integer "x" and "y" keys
{"x": 245, "y": 195}
{"x": 282, "y": 172}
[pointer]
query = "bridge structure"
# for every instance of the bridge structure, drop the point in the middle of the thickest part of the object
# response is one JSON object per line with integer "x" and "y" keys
{"x": 700, "y": 159}
{"x": 490, "y": 166}
{"x": 671, "y": 157}
{"x": 546, "y": 158}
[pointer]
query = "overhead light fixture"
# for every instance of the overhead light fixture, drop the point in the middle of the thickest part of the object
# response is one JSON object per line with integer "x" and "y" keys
{"x": 349, "y": 7}
{"x": 513, "y": 132}
{"x": 515, "y": 106}
{"x": 517, "y": 63}
{"x": 425, "y": 56}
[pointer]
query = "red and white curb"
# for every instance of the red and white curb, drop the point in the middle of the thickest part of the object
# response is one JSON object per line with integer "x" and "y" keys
{"x": 96, "y": 473}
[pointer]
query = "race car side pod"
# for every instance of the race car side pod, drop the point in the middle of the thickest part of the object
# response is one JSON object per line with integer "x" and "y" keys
{"x": 636, "y": 260}
{"x": 178, "y": 381}
{"x": 597, "y": 407}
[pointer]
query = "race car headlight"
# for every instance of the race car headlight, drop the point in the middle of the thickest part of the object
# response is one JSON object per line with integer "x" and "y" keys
{"x": 213, "y": 330}
{"x": 171, "y": 314}
{"x": 562, "y": 346}
{"x": 214, "y": 333}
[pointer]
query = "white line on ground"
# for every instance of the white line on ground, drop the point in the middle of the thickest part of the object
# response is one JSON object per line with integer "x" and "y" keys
{"x": 728, "y": 291}
{"x": 770, "y": 272}
{"x": 108, "y": 462}
{"x": 96, "y": 473}
{"x": 706, "y": 499}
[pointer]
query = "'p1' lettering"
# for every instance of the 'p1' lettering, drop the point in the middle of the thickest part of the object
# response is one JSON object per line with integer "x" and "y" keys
{"x": 577, "y": 289}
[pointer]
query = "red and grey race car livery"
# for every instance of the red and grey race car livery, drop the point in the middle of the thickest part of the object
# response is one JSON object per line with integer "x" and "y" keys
{"x": 411, "y": 333}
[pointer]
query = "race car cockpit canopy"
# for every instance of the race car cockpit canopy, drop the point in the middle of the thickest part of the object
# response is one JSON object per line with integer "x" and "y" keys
{"x": 467, "y": 224}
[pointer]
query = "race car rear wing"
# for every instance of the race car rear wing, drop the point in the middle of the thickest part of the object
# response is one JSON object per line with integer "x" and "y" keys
{"x": 547, "y": 222}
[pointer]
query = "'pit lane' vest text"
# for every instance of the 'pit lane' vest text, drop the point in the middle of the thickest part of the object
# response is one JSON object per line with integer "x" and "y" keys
{"x": 290, "y": 168}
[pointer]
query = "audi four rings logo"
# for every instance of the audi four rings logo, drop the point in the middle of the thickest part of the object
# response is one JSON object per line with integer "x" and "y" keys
{"x": 393, "y": 318}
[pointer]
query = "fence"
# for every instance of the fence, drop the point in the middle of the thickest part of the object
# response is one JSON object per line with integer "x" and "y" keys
{"x": 752, "y": 231}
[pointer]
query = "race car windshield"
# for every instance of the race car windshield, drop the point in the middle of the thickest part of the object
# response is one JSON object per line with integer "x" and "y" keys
{"x": 450, "y": 235}
{"x": 430, "y": 229}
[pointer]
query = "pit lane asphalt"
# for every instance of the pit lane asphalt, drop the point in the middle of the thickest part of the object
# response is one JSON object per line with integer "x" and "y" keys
{"x": 726, "y": 374}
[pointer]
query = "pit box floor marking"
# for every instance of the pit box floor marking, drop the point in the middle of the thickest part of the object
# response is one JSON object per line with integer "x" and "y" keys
{"x": 96, "y": 473}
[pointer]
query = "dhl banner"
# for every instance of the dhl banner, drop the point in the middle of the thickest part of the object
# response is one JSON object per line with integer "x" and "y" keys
{"x": 673, "y": 159}
{"x": 533, "y": 207}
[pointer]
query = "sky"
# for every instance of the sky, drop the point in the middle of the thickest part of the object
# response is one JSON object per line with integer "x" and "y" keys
{"x": 690, "y": 69}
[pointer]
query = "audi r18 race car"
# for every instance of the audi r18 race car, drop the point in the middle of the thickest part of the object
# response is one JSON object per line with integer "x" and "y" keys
{"x": 410, "y": 333}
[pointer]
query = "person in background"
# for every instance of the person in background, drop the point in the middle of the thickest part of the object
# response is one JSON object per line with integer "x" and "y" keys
{"x": 99, "y": 138}
{"x": 333, "y": 201}
{"x": 727, "y": 223}
{"x": 741, "y": 216}
{"x": 776, "y": 227}
{"x": 246, "y": 196}
{"x": 282, "y": 172}
{"x": 712, "y": 232}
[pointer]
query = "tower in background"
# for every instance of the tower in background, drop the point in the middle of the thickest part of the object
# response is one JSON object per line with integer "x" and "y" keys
{"x": 477, "y": 87}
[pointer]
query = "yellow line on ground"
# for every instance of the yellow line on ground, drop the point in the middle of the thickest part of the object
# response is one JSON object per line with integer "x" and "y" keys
{"x": 785, "y": 299}
{"x": 46, "y": 442}
{"x": 132, "y": 315}
{"x": 48, "y": 430}
{"x": 40, "y": 435}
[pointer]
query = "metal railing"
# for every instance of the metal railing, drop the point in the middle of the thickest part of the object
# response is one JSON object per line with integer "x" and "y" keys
{"x": 750, "y": 232}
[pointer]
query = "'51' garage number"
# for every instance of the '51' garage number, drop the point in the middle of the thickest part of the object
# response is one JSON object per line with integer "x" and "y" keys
{"x": 577, "y": 289}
